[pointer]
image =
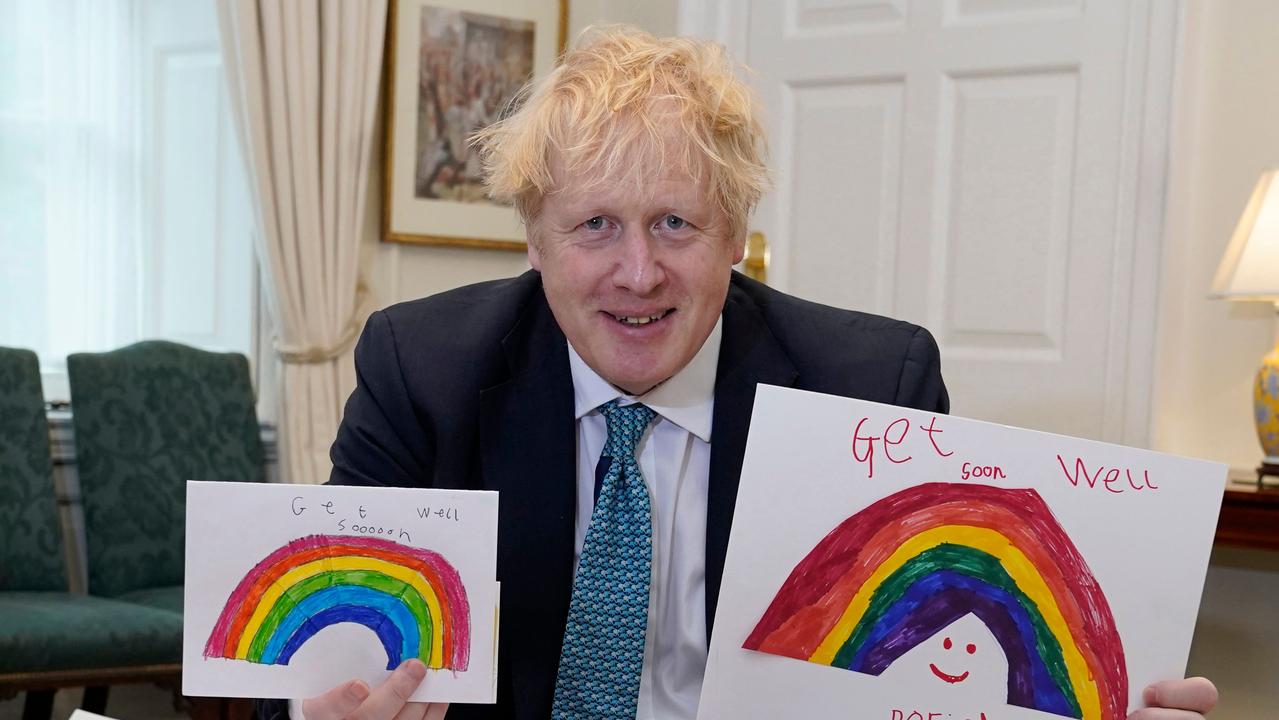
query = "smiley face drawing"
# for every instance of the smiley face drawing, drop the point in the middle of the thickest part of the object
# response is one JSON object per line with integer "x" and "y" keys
{"x": 947, "y": 644}
{"x": 942, "y": 667}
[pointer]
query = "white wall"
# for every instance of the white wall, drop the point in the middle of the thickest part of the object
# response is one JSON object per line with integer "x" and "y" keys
{"x": 1225, "y": 134}
{"x": 403, "y": 272}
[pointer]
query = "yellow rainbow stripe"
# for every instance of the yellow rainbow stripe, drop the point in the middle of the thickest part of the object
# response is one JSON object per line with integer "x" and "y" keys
{"x": 1018, "y": 567}
{"x": 315, "y": 567}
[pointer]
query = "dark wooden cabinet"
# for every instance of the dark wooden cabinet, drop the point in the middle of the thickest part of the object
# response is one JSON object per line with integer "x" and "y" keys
{"x": 1249, "y": 518}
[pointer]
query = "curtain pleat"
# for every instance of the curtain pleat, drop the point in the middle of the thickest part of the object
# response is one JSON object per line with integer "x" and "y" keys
{"x": 304, "y": 79}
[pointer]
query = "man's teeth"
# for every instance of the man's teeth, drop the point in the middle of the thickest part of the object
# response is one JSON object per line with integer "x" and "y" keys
{"x": 639, "y": 320}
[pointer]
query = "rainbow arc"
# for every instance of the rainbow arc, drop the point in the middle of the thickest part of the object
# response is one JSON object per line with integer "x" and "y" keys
{"x": 413, "y": 599}
{"x": 901, "y": 570}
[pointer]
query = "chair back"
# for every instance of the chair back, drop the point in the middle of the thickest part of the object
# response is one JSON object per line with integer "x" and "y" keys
{"x": 147, "y": 418}
{"x": 30, "y": 535}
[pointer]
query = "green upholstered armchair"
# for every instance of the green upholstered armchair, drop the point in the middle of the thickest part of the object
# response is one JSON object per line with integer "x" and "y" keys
{"x": 30, "y": 539}
{"x": 50, "y": 638}
{"x": 147, "y": 418}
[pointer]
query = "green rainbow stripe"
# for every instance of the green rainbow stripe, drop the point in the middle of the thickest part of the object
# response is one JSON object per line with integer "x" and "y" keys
{"x": 334, "y": 578}
{"x": 974, "y": 563}
{"x": 900, "y": 570}
{"x": 412, "y": 599}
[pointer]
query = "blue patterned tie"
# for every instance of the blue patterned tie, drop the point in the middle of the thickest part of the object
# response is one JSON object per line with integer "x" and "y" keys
{"x": 603, "y": 651}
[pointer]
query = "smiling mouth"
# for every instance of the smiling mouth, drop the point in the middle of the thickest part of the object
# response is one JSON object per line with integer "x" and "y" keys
{"x": 639, "y": 320}
{"x": 947, "y": 676}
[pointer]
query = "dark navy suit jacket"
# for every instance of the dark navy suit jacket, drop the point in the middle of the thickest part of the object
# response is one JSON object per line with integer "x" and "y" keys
{"x": 471, "y": 389}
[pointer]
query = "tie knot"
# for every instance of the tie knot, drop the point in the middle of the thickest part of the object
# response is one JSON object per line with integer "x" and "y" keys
{"x": 626, "y": 425}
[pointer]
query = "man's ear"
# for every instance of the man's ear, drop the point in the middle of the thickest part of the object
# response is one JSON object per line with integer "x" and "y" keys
{"x": 739, "y": 248}
{"x": 534, "y": 257}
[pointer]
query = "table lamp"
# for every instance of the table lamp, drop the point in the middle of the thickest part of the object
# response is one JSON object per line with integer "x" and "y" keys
{"x": 1250, "y": 271}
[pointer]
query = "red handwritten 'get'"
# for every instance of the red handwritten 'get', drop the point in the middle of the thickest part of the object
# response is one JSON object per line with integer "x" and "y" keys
{"x": 894, "y": 435}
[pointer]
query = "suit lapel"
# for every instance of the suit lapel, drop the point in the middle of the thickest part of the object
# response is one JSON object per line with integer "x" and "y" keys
{"x": 528, "y": 442}
{"x": 749, "y": 354}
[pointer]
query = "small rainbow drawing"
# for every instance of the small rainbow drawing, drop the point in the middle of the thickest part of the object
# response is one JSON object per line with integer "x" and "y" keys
{"x": 411, "y": 598}
{"x": 896, "y": 573}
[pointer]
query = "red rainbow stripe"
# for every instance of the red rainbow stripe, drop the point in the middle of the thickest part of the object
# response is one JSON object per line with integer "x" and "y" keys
{"x": 439, "y": 574}
{"x": 820, "y": 588}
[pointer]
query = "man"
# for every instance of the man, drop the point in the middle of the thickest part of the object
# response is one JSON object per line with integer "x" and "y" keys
{"x": 607, "y": 393}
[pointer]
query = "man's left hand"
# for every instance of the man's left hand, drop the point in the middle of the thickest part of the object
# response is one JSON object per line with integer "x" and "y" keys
{"x": 1188, "y": 699}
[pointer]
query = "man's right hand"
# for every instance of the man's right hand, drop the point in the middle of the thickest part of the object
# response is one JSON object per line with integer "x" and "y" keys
{"x": 352, "y": 700}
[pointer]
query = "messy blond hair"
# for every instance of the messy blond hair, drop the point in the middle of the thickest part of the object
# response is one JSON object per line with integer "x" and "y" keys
{"x": 614, "y": 93}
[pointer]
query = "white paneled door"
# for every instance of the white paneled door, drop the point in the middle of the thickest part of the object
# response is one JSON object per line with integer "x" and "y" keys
{"x": 991, "y": 169}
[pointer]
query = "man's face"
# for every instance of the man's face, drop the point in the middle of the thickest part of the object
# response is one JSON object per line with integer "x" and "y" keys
{"x": 636, "y": 273}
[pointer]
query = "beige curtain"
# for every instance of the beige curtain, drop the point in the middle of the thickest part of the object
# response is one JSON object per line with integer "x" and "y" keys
{"x": 303, "y": 77}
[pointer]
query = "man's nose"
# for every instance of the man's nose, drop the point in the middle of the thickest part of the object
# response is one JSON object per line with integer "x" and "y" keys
{"x": 639, "y": 267}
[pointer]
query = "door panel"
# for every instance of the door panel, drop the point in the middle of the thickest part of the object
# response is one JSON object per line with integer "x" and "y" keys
{"x": 968, "y": 165}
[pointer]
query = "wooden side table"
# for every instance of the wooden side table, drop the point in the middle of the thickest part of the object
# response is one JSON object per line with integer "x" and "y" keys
{"x": 1249, "y": 517}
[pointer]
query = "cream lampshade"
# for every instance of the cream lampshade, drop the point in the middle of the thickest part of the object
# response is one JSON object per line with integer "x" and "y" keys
{"x": 1250, "y": 271}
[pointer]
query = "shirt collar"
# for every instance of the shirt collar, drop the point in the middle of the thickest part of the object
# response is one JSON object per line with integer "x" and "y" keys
{"x": 686, "y": 399}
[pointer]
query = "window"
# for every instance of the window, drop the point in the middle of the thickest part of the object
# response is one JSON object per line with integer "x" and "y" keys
{"x": 124, "y": 212}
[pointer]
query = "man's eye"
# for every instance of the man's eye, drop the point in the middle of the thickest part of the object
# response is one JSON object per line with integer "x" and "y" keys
{"x": 595, "y": 223}
{"x": 674, "y": 222}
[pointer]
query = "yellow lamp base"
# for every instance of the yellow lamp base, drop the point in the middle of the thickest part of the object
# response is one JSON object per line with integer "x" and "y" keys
{"x": 1265, "y": 404}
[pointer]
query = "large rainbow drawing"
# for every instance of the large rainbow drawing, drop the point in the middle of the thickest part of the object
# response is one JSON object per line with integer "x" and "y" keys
{"x": 412, "y": 598}
{"x": 901, "y": 570}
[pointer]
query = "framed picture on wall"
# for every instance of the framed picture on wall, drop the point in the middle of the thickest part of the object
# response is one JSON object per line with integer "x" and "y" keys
{"x": 453, "y": 67}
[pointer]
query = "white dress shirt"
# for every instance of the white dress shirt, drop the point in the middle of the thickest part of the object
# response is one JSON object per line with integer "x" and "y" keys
{"x": 674, "y": 455}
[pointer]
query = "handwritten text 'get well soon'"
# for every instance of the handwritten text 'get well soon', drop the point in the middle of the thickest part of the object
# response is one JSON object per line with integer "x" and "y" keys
{"x": 898, "y": 441}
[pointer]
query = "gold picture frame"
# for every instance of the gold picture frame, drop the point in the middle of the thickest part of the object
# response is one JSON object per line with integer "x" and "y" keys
{"x": 468, "y": 57}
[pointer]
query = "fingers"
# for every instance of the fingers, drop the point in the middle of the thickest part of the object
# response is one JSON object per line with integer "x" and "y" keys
{"x": 413, "y": 711}
{"x": 423, "y": 711}
{"x": 1197, "y": 695}
{"x": 389, "y": 698}
{"x": 336, "y": 703}
{"x": 1164, "y": 714}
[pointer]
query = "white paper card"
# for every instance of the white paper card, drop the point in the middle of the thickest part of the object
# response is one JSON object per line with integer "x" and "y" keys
{"x": 79, "y": 714}
{"x": 293, "y": 589}
{"x": 889, "y": 564}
